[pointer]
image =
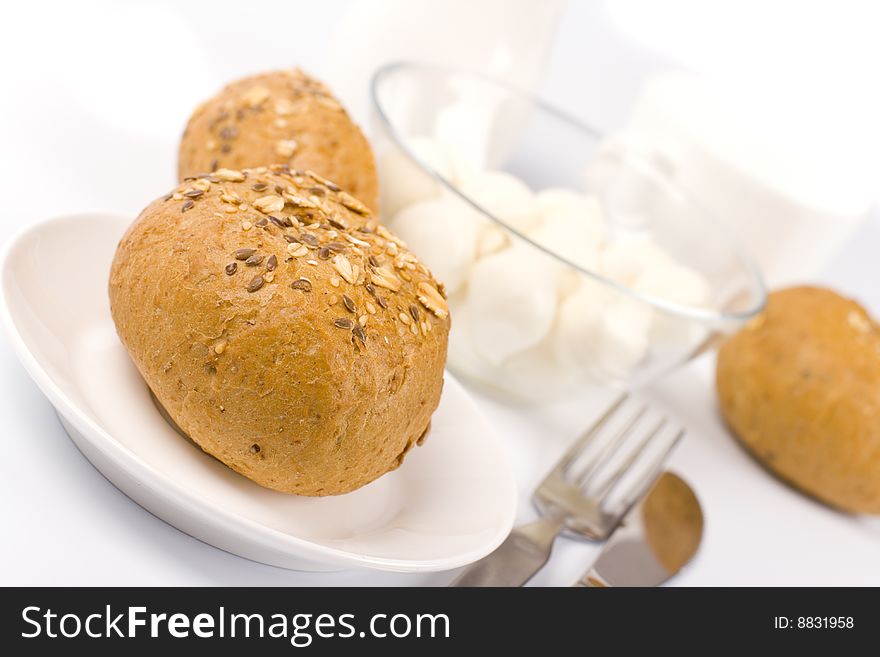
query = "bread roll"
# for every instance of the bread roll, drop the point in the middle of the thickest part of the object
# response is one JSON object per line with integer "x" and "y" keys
{"x": 800, "y": 387}
{"x": 283, "y": 329}
{"x": 284, "y": 117}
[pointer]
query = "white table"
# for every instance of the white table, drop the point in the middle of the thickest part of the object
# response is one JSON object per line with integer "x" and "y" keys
{"x": 77, "y": 136}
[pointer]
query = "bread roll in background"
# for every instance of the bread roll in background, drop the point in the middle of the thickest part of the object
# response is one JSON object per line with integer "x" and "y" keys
{"x": 283, "y": 329}
{"x": 800, "y": 387}
{"x": 283, "y": 117}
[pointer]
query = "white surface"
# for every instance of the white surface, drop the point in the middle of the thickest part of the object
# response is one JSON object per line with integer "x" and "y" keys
{"x": 65, "y": 524}
{"x": 453, "y": 503}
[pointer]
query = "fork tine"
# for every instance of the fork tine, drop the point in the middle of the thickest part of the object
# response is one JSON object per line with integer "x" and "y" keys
{"x": 578, "y": 446}
{"x": 610, "y": 448}
{"x": 609, "y": 484}
{"x": 651, "y": 474}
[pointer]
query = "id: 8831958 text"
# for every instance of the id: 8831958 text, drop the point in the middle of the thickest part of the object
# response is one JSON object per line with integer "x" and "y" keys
{"x": 813, "y": 622}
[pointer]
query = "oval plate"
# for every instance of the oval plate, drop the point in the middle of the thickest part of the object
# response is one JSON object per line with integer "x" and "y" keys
{"x": 452, "y": 502}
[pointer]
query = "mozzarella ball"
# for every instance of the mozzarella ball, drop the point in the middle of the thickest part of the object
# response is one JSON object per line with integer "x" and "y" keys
{"x": 624, "y": 260}
{"x": 443, "y": 232}
{"x": 405, "y": 182}
{"x": 622, "y": 338}
{"x": 491, "y": 238}
{"x": 670, "y": 281}
{"x": 573, "y": 233}
{"x": 510, "y": 305}
{"x": 574, "y": 336}
{"x": 505, "y": 197}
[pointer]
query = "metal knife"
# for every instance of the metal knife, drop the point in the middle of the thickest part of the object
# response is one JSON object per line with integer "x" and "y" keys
{"x": 657, "y": 538}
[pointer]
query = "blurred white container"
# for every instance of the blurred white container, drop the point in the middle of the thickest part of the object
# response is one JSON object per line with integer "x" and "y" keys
{"x": 793, "y": 203}
{"x": 507, "y": 40}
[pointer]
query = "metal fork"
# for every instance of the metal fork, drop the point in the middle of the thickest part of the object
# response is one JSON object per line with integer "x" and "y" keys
{"x": 574, "y": 497}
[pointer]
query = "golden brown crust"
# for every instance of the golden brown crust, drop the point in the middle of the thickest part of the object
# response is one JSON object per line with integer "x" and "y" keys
{"x": 800, "y": 387}
{"x": 296, "y": 361}
{"x": 283, "y": 117}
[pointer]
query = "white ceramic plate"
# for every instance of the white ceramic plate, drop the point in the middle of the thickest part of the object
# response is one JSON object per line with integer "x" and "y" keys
{"x": 452, "y": 502}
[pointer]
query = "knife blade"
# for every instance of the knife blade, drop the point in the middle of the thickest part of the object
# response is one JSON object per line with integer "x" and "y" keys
{"x": 658, "y": 536}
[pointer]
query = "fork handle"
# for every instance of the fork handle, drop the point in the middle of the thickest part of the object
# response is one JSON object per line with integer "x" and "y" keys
{"x": 521, "y": 555}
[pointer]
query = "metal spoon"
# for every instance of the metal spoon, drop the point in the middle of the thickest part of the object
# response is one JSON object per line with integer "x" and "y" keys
{"x": 656, "y": 539}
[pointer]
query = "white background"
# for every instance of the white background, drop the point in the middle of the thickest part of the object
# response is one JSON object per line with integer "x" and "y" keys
{"x": 94, "y": 97}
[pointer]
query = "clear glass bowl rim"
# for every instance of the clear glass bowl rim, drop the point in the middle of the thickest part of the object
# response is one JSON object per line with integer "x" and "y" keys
{"x": 757, "y": 286}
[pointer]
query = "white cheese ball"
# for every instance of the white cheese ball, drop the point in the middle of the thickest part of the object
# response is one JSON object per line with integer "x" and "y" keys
{"x": 572, "y": 228}
{"x": 625, "y": 259}
{"x": 534, "y": 375}
{"x": 504, "y": 196}
{"x": 404, "y": 182}
{"x": 491, "y": 238}
{"x": 622, "y": 338}
{"x": 673, "y": 282}
{"x": 681, "y": 285}
{"x": 463, "y": 356}
{"x": 443, "y": 232}
{"x": 573, "y": 341}
{"x": 602, "y": 333}
{"x": 559, "y": 200}
{"x": 676, "y": 336}
{"x": 511, "y": 304}
{"x": 568, "y": 280}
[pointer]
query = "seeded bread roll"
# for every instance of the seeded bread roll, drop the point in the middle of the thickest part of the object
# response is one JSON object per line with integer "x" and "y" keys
{"x": 284, "y": 117}
{"x": 283, "y": 329}
{"x": 800, "y": 387}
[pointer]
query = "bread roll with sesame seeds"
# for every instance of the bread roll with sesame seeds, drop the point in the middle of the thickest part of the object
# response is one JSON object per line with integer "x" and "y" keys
{"x": 283, "y": 117}
{"x": 284, "y": 330}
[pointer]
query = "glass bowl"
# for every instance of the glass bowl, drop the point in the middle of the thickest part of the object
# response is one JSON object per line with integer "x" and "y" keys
{"x": 570, "y": 258}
